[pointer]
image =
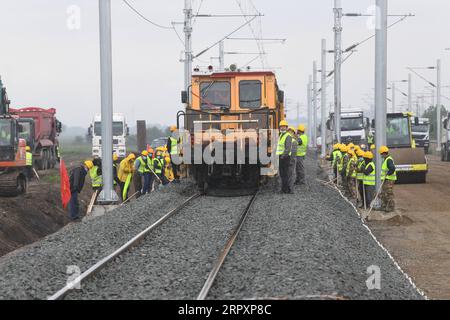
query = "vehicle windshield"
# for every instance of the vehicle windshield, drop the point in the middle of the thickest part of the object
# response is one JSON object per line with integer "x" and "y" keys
{"x": 5, "y": 133}
{"x": 250, "y": 94}
{"x": 349, "y": 124}
{"x": 215, "y": 95}
{"x": 422, "y": 128}
{"x": 26, "y": 132}
{"x": 117, "y": 128}
{"x": 397, "y": 132}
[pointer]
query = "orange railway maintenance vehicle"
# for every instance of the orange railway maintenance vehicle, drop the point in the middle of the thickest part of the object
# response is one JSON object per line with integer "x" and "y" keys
{"x": 237, "y": 110}
{"x": 12, "y": 151}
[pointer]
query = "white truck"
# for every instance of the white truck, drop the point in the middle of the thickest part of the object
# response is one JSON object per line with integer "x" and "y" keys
{"x": 120, "y": 133}
{"x": 421, "y": 133}
{"x": 354, "y": 128}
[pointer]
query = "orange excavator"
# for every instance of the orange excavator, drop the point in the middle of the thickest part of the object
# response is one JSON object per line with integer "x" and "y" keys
{"x": 13, "y": 179}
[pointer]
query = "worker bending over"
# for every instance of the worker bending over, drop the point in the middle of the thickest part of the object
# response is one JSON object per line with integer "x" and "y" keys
{"x": 388, "y": 178}
{"x": 125, "y": 175}
{"x": 76, "y": 179}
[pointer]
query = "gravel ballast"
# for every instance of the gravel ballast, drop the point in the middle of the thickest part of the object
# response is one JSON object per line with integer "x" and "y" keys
{"x": 39, "y": 270}
{"x": 308, "y": 245}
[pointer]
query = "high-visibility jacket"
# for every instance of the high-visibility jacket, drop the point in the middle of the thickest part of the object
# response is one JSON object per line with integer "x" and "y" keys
{"x": 126, "y": 168}
{"x": 294, "y": 145}
{"x": 301, "y": 150}
{"x": 173, "y": 146}
{"x": 29, "y": 159}
{"x": 337, "y": 155}
{"x": 282, "y": 144}
{"x": 385, "y": 169}
{"x": 158, "y": 165}
{"x": 351, "y": 161}
{"x": 342, "y": 162}
{"x": 144, "y": 165}
{"x": 370, "y": 180}
{"x": 96, "y": 180}
{"x": 360, "y": 168}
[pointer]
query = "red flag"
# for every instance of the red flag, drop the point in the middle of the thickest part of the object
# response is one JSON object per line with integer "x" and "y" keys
{"x": 65, "y": 184}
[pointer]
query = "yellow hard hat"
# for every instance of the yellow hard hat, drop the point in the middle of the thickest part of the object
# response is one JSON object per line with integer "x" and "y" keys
{"x": 368, "y": 155}
{"x": 115, "y": 157}
{"x": 343, "y": 148}
{"x": 351, "y": 146}
{"x": 283, "y": 123}
{"x": 144, "y": 153}
{"x": 173, "y": 128}
{"x": 301, "y": 128}
{"x": 291, "y": 129}
{"x": 360, "y": 153}
{"x": 384, "y": 149}
{"x": 27, "y": 148}
{"x": 89, "y": 164}
{"x": 336, "y": 146}
{"x": 373, "y": 147}
{"x": 131, "y": 156}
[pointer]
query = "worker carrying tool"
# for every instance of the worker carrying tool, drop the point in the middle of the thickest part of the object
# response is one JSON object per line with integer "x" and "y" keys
{"x": 125, "y": 175}
{"x": 388, "y": 178}
{"x": 369, "y": 179}
{"x": 29, "y": 163}
{"x": 76, "y": 179}
{"x": 302, "y": 140}
{"x": 351, "y": 173}
{"x": 360, "y": 165}
{"x": 144, "y": 167}
{"x": 284, "y": 153}
{"x": 159, "y": 168}
{"x": 95, "y": 173}
{"x": 172, "y": 148}
{"x": 335, "y": 159}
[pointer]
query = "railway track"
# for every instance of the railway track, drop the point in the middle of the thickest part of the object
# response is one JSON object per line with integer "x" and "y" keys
{"x": 101, "y": 264}
{"x": 126, "y": 247}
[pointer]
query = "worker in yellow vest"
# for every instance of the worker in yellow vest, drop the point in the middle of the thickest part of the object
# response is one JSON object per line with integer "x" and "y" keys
{"x": 29, "y": 163}
{"x": 369, "y": 179}
{"x": 302, "y": 140}
{"x": 284, "y": 153}
{"x": 360, "y": 165}
{"x": 351, "y": 174}
{"x": 172, "y": 149}
{"x": 388, "y": 177}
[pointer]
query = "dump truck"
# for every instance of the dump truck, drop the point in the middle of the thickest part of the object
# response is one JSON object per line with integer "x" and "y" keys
{"x": 354, "y": 128}
{"x": 411, "y": 162}
{"x": 40, "y": 129}
{"x": 12, "y": 150}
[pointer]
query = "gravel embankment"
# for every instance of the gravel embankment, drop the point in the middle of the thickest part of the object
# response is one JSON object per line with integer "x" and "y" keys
{"x": 306, "y": 245}
{"x": 39, "y": 270}
{"x": 175, "y": 260}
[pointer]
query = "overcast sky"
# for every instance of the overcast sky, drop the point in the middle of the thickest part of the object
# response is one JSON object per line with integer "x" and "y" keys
{"x": 45, "y": 63}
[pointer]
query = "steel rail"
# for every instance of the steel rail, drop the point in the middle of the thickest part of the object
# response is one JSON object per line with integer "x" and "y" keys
{"x": 102, "y": 263}
{"x": 224, "y": 253}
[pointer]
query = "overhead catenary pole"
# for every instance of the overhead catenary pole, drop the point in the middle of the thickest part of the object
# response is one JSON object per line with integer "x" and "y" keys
{"x": 409, "y": 92}
{"x": 221, "y": 56}
{"x": 393, "y": 97}
{"x": 337, "y": 68}
{"x": 107, "y": 195}
{"x": 187, "y": 44}
{"x": 438, "y": 106}
{"x": 309, "y": 104}
{"x": 314, "y": 106}
{"x": 380, "y": 84}
{"x": 323, "y": 100}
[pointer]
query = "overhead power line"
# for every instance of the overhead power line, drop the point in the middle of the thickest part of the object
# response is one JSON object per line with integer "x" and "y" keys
{"x": 145, "y": 18}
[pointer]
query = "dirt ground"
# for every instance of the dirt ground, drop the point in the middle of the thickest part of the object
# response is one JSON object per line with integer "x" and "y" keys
{"x": 420, "y": 239}
{"x": 30, "y": 217}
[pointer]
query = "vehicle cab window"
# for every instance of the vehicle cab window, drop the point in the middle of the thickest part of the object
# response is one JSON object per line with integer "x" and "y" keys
{"x": 5, "y": 133}
{"x": 250, "y": 94}
{"x": 215, "y": 95}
